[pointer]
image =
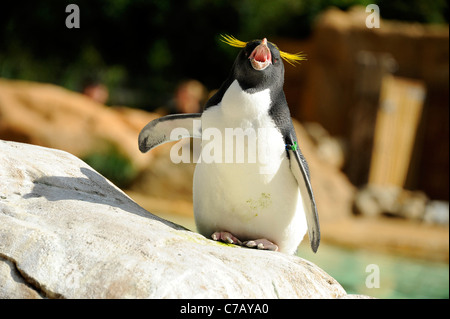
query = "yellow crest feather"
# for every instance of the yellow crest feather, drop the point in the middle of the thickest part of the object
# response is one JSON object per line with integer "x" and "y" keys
{"x": 290, "y": 58}
{"x": 230, "y": 40}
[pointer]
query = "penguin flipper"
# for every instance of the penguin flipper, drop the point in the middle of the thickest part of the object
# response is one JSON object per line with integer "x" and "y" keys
{"x": 300, "y": 170}
{"x": 159, "y": 131}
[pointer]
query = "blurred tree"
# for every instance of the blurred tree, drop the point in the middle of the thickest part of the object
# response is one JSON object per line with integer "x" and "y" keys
{"x": 415, "y": 10}
{"x": 141, "y": 49}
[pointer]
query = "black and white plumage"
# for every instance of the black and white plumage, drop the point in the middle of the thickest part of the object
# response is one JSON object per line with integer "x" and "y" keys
{"x": 267, "y": 203}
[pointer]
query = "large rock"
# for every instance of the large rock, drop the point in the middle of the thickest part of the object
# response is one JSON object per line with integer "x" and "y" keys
{"x": 67, "y": 232}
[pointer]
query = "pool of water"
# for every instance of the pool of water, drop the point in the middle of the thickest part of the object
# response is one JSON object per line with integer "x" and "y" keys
{"x": 381, "y": 275}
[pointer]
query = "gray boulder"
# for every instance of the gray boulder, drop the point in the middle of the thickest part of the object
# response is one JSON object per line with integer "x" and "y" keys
{"x": 67, "y": 232}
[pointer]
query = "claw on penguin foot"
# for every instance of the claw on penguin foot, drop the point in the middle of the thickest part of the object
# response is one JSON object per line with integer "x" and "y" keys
{"x": 263, "y": 244}
{"x": 226, "y": 237}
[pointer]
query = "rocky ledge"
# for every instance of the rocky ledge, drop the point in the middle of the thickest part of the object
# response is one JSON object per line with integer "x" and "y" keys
{"x": 67, "y": 232}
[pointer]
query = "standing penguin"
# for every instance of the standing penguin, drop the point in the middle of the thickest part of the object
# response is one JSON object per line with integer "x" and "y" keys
{"x": 264, "y": 202}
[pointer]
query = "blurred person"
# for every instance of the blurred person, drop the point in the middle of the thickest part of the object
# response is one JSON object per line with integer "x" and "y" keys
{"x": 189, "y": 97}
{"x": 96, "y": 91}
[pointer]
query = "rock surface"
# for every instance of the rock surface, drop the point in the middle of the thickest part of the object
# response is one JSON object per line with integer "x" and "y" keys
{"x": 67, "y": 232}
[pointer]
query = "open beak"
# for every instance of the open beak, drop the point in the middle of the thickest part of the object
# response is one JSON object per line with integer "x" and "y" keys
{"x": 261, "y": 56}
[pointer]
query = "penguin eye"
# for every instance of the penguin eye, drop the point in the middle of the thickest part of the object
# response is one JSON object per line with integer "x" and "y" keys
{"x": 275, "y": 60}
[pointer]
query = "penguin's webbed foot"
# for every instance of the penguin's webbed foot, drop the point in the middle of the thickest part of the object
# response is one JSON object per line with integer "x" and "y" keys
{"x": 261, "y": 244}
{"x": 226, "y": 237}
{"x": 229, "y": 238}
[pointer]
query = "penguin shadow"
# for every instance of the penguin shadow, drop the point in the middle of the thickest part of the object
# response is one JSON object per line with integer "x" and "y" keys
{"x": 93, "y": 188}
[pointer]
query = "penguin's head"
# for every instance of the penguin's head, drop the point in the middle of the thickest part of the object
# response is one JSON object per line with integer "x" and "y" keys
{"x": 259, "y": 65}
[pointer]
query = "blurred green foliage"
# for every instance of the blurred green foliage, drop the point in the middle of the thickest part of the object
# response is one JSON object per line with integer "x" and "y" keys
{"x": 113, "y": 165}
{"x": 141, "y": 49}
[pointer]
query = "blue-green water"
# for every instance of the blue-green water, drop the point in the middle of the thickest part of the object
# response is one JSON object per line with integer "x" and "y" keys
{"x": 398, "y": 277}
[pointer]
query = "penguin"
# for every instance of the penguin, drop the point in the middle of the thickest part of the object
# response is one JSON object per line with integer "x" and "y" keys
{"x": 264, "y": 203}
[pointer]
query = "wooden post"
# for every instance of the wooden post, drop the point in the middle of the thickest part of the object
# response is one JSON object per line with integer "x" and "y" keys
{"x": 398, "y": 116}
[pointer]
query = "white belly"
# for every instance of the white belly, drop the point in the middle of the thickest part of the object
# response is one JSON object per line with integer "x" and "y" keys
{"x": 258, "y": 198}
